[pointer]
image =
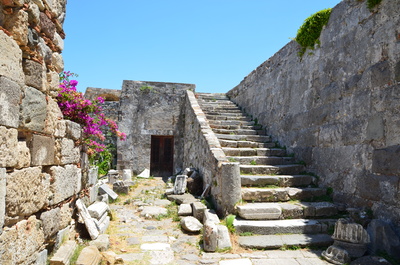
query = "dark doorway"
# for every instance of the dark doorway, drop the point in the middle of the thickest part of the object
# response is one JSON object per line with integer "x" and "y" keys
{"x": 162, "y": 156}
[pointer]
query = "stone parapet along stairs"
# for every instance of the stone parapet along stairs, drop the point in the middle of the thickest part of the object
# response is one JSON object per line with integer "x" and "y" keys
{"x": 281, "y": 206}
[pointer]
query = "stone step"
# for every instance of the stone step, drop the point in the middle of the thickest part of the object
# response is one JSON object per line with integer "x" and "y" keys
{"x": 252, "y": 138}
{"x": 235, "y": 127}
{"x": 253, "y": 151}
{"x": 279, "y": 241}
{"x": 213, "y": 107}
{"x": 218, "y": 104}
{"x": 277, "y": 180}
{"x": 210, "y": 110}
{"x": 231, "y": 118}
{"x": 230, "y": 122}
{"x": 227, "y": 114}
{"x": 279, "y": 211}
{"x": 273, "y": 227}
{"x": 281, "y": 194}
{"x": 236, "y": 132}
{"x": 261, "y": 160}
{"x": 293, "y": 169}
{"x": 245, "y": 144}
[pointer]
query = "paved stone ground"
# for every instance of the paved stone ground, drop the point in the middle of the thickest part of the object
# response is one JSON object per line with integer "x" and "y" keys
{"x": 159, "y": 239}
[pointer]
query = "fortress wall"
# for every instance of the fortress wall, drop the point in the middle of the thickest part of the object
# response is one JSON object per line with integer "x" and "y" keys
{"x": 337, "y": 107}
{"x": 40, "y": 164}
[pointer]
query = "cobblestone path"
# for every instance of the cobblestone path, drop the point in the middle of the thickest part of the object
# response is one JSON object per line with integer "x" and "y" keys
{"x": 142, "y": 232}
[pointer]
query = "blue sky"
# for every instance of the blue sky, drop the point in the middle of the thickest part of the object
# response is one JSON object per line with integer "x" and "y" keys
{"x": 211, "y": 43}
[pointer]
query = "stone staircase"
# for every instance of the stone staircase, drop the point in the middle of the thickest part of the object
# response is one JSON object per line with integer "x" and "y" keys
{"x": 280, "y": 206}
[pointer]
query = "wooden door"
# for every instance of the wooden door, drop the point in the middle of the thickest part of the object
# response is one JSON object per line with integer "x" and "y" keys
{"x": 162, "y": 156}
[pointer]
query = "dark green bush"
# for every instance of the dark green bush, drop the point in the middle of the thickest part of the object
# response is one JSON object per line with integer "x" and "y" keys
{"x": 372, "y": 3}
{"x": 309, "y": 32}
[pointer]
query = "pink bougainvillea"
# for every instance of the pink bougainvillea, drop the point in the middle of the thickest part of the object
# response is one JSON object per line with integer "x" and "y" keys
{"x": 89, "y": 114}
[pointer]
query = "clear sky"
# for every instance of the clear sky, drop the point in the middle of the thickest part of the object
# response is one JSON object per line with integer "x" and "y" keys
{"x": 211, "y": 43}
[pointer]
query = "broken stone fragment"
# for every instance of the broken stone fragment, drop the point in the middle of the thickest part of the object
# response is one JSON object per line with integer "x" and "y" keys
{"x": 191, "y": 224}
{"x": 180, "y": 184}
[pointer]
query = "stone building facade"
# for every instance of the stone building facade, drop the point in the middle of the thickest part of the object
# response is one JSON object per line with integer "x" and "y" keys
{"x": 152, "y": 116}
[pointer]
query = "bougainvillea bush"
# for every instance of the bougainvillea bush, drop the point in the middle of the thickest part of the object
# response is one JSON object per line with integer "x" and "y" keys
{"x": 88, "y": 113}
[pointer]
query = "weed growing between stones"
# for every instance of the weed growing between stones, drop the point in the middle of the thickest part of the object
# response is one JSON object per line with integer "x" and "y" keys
{"x": 253, "y": 162}
{"x": 146, "y": 89}
{"x": 229, "y": 223}
{"x": 78, "y": 251}
{"x": 246, "y": 234}
{"x": 308, "y": 34}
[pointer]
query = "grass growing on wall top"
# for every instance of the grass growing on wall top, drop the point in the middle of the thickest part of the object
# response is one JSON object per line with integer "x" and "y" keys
{"x": 372, "y": 3}
{"x": 309, "y": 32}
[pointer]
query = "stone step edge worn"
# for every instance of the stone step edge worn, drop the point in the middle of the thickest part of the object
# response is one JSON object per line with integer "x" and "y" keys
{"x": 281, "y": 241}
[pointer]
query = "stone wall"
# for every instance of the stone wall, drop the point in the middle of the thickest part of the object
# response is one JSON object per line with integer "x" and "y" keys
{"x": 40, "y": 164}
{"x": 150, "y": 108}
{"x": 337, "y": 107}
{"x": 203, "y": 151}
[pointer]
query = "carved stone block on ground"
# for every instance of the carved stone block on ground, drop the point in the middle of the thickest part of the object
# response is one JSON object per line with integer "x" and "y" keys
{"x": 42, "y": 150}
{"x": 102, "y": 242}
{"x": 10, "y": 100}
{"x": 20, "y": 242}
{"x": 211, "y": 216}
{"x": 184, "y": 198}
{"x": 27, "y": 191}
{"x": 89, "y": 256}
{"x": 351, "y": 232}
{"x": 33, "y": 110}
{"x": 120, "y": 187}
{"x": 93, "y": 175}
{"x": 66, "y": 181}
{"x": 98, "y": 209}
{"x": 9, "y": 147}
{"x": 64, "y": 253}
{"x": 383, "y": 238}
{"x": 89, "y": 223}
{"x": 336, "y": 255}
{"x": 41, "y": 258}
{"x": 104, "y": 189}
{"x": 153, "y": 211}
{"x": 180, "y": 184}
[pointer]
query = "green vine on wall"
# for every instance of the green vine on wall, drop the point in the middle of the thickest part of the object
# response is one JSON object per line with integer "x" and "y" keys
{"x": 308, "y": 34}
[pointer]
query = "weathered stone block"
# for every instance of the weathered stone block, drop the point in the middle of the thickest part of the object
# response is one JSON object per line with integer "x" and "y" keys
{"x": 24, "y": 155}
{"x": 223, "y": 239}
{"x": 198, "y": 210}
{"x": 93, "y": 175}
{"x": 185, "y": 210}
{"x": 17, "y": 24}
{"x": 120, "y": 187}
{"x": 61, "y": 237}
{"x": 58, "y": 41}
{"x": 57, "y": 61}
{"x": 211, "y": 216}
{"x": 89, "y": 256}
{"x": 336, "y": 255}
{"x": 20, "y": 243}
{"x": 102, "y": 242}
{"x": 98, "y": 209}
{"x": 11, "y": 58}
{"x": 89, "y": 223}
{"x": 66, "y": 153}
{"x": 33, "y": 14}
{"x": 66, "y": 182}
{"x": 351, "y": 232}
{"x": 64, "y": 253}
{"x": 73, "y": 130}
{"x": 33, "y": 110}
{"x": 10, "y": 100}
{"x": 3, "y": 190}
{"x": 42, "y": 150}
{"x": 27, "y": 191}
{"x": 210, "y": 237}
{"x": 60, "y": 129}
{"x": 53, "y": 81}
{"x": 54, "y": 115}
{"x": 47, "y": 26}
{"x": 191, "y": 224}
{"x": 180, "y": 184}
{"x": 55, "y": 220}
{"x": 41, "y": 258}
{"x": 104, "y": 189}
{"x": 385, "y": 162}
{"x": 9, "y": 147}
{"x": 34, "y": 75}
{"x": 383, "y": 238}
